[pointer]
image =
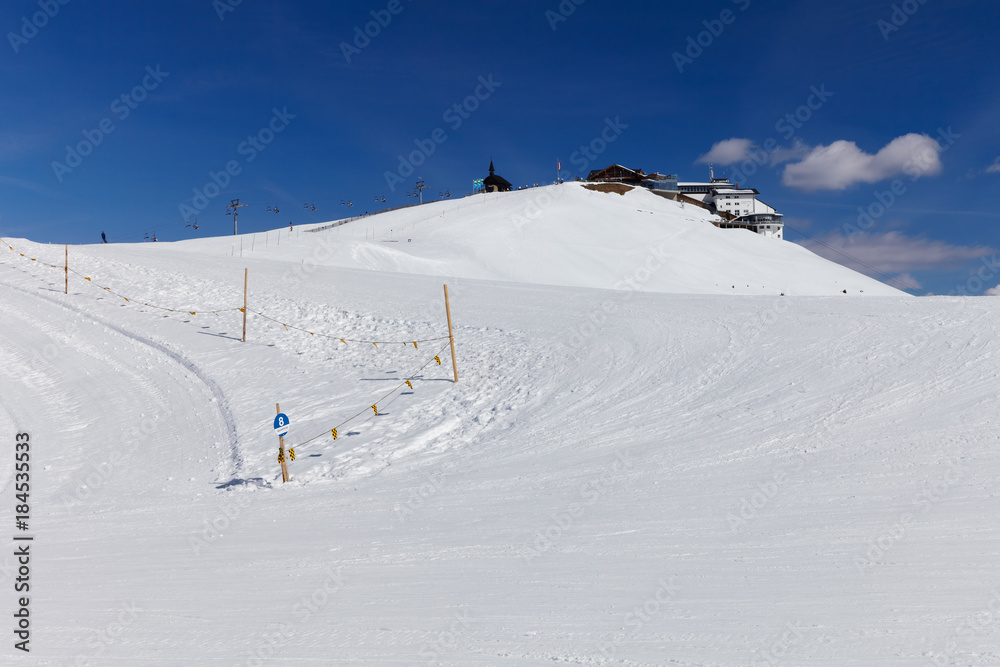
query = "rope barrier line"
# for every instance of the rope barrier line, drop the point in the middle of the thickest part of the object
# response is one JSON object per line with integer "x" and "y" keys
{"x": 217, "y": 311}
{"x": 153, "y": 305}
{"x": 33, "y": 259}
{"x": 374, "y": 406}
{"x": 345, "y": 341}
{"x": 408, "y": 382}
{"x": 122, "y": 296}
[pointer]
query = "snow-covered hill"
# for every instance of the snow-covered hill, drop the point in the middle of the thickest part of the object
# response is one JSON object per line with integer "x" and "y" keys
{"x": 620, "y": 477}
{"x": 568, "y": 235}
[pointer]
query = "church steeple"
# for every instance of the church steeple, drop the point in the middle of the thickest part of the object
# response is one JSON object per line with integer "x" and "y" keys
{"x": 494, "y": 183}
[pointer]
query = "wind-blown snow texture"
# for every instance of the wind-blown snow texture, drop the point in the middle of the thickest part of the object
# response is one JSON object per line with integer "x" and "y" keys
{"x": 620, "y": 477}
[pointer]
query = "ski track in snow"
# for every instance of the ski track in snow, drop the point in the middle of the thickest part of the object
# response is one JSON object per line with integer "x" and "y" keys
{"x": 220, "y": 401}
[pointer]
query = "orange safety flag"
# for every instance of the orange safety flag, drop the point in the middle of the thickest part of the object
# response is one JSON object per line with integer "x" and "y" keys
{"x": 415, "y": 346}
{"x": 334, "y": 431}
{"x": 438, "y": 359}
{"x": 409, "y": 385}
{"x": 375, "y": 408}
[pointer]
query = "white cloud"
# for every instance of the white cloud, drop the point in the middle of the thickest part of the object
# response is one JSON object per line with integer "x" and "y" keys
{"x": 893, "y": 253}
{"x": 728, "y": 152}
{"x": 842, "y": 164}
{"x": 993, "y": 291}
{"x": 994, "y": 168}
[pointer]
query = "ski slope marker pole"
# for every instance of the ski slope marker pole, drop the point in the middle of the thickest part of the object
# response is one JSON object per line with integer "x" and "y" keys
{"x": 281, "y": 451}
{"x": 246, "y": 280}
{"x": 451, "y": 335}
{"x": 67, "y": 269}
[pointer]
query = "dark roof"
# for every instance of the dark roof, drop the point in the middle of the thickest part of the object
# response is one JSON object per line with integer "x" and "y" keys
{"x": 496, "y": 180}
{"x": 499, "y": 181}
{"x": 617, "y": 173}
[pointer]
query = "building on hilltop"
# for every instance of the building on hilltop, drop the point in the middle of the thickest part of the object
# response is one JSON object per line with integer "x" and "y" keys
{"x": 616, "y": 173}
{"x": 738, "y": 207}
{"x": 494, "y": 183}
{"x": 660, "y": 183}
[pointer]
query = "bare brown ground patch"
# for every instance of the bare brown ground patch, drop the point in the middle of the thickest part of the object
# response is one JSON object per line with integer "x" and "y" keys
{"x": 617, "y": 188}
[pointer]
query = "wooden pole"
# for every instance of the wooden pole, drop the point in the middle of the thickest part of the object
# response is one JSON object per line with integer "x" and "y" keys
{"x": 451, "y": 335}
{"x": 281, "y": 451}
{"x": 246, "y": 281}
{"x": 67, "y": 269}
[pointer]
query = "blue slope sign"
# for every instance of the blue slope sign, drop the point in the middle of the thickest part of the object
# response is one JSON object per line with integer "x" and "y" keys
{"x": 281, "y": 424}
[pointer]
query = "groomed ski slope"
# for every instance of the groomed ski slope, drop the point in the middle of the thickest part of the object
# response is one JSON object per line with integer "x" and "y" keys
{"x": 620, "y": 477}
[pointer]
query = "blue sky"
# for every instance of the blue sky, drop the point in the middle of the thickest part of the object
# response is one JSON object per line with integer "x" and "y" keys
{"x": 829, "y": 109}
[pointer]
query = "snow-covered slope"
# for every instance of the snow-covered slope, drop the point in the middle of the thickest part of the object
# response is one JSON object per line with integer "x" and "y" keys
{"x": 568, "y": 235}
{"x": 620, "y": 477}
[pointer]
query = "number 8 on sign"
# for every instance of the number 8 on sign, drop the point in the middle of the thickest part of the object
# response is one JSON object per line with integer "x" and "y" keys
{"x": 281, "y": 423}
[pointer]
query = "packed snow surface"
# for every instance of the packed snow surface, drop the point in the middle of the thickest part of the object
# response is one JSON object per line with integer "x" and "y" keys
{"x": 621, "y": 476}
